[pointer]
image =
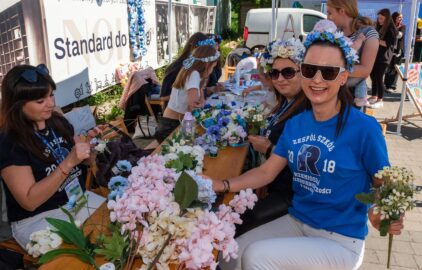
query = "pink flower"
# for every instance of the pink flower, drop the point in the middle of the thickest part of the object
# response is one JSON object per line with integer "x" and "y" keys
{"x": 244, "y": 200}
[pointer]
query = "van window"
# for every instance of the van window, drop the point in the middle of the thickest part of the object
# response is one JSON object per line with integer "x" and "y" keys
{"x": 309, "y": 21}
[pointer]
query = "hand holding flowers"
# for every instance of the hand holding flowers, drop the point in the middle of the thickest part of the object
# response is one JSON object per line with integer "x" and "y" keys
{"x": 391, "y": 200}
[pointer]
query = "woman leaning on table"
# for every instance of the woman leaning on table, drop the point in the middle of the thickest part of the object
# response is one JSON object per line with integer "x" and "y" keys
{"x": 280, "y": 67}
{"x": 332, "y": 150}
{"x": 40, "y": 161}
{"x": 187, "y": 92}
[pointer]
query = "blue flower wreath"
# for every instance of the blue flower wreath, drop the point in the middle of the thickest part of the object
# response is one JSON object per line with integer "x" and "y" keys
{"x": 338, "y": 39}
{"x": 210, "y": 42}
{"x": 137, "y": 35}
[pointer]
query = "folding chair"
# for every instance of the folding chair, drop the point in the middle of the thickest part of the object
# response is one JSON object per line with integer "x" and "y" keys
{"x": 228, "y": 70}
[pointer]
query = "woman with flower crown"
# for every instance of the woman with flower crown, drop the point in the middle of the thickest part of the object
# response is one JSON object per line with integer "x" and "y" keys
{"x": 279, "y": 65}
{"x": 333, "y": 151}
{"x": 188, "y": 89}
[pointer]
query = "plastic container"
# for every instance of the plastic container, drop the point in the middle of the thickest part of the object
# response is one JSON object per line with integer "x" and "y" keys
{"x": 188, "y": 127}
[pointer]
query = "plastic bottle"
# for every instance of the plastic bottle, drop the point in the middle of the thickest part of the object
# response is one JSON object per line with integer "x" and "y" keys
{"x": 188, "y": 127}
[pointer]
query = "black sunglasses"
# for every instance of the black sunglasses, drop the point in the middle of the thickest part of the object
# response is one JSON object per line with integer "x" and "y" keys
{"x": 287, "y": 73}
{"x": 31, "y": 75}
{"x": 328, "y": 73}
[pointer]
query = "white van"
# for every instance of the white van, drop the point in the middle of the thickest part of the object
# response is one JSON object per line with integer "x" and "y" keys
{"x": 258, "y": 24}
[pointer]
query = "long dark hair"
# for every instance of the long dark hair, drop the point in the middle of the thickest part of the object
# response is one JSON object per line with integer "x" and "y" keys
{"x": 343, "y": 95}
{"x": 190, "y": 45}
{"x": 217, "y": 40}
{"x": 382, "y": 29}
{"x": 16, "y": 92}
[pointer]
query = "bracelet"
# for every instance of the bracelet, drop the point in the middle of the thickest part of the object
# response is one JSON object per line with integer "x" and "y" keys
{"x": 269, "y": 151}
{"x": 226, "y": 184}
{"x": 62, "y": 171}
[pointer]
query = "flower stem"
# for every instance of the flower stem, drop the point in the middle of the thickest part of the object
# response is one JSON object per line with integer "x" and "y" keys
{"x": 390, "y": 245}
{"x": 160, "y": 252}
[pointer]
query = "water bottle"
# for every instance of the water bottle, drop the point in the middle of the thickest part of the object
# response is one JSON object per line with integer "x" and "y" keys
{"x": 188, "y": 127}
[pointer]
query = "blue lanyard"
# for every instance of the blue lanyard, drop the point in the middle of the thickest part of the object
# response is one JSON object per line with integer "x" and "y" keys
{"x": 57, "y": 153}
{"x": 274, "y": 119}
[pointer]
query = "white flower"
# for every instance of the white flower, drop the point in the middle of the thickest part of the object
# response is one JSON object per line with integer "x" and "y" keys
{"x": 100, "y": 147}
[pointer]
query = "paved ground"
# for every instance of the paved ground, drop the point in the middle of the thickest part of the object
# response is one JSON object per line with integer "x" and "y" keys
{"x": 404, "y": 150}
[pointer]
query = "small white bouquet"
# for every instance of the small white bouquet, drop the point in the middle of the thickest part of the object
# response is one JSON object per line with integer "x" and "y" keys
{"x": 392, "y": 199}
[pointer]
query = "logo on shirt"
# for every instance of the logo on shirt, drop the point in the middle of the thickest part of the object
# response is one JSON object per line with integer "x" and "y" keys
{"x": 307, "y": 159}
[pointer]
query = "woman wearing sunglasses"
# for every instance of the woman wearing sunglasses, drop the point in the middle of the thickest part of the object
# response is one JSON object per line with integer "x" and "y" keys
{"x": 333, "y": 150}
{"x": 40, "y": 161}
{"x": 280, "y": 67}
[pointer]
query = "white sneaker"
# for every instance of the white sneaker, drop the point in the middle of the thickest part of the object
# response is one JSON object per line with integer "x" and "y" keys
{"x": 377, "y": 105}
{"x": 372, "y": 100}
{"x": 361, "y": 102}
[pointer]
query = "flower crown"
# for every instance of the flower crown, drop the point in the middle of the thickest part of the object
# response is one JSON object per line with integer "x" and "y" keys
{"x": 188, "y": 62}
{"x": 210, "y": 42}
{"x": 291, "y": 49}
{"x": 325, "y": 30}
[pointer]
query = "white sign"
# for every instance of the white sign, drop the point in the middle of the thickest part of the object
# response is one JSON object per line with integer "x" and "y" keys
{"x": 87, "y": 40}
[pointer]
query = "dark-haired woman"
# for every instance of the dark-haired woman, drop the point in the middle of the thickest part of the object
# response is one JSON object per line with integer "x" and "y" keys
{"x": 388, "y": 41}
{"x": 281, "y": 71}
{"x": 40, "y": 161}
{"x": 213, "y": 85}
{"x": 333, "y": 150}
{"x": 391, "y": 76}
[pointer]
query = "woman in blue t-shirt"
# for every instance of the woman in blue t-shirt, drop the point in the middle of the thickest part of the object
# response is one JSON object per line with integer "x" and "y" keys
{"x": 39, "y": 158}
{"x": 333, "y": 151}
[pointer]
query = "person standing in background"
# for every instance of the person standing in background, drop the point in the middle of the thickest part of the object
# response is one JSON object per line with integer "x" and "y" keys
{"x": 391, "y": 75}
{"x": 388, "y": 41}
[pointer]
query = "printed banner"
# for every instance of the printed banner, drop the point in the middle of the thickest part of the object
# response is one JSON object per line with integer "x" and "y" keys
{"x": 87, "y": 40}
{"x": 414, "y": 82}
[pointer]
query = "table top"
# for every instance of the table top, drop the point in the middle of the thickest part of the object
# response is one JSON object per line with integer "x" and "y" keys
{"x": 229, "y": 163}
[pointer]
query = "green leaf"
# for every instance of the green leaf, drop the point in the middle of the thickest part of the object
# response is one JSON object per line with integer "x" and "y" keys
{"x": 83, "y": 256}
{"x": 68, "y": 232}
{"x": 115, "y": 248}
{"x": 185, "y": 191}
{"x": 366, "y": 198}
{"x": 69, "y": 215}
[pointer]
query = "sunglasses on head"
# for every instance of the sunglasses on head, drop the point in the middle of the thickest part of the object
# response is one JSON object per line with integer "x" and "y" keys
{"x": 328, "y": 73}
{"x": 31, "y": 75}
{"x": 287, "y": 73}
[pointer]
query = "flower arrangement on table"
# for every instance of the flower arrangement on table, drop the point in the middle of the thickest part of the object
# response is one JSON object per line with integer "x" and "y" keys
{"x": 181, "y": 156}
{"x": 255, "y": 119}
{"x": 392, "y": 199}
{"x": 168, "y": 217}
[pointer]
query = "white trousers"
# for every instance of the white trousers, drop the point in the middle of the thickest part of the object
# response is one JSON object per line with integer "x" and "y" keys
{"x": 286, "y": 243}
{"x": 22, "y": 229}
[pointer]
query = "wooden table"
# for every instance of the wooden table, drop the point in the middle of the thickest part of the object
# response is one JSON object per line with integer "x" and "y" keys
{"x": 229, "y": 163}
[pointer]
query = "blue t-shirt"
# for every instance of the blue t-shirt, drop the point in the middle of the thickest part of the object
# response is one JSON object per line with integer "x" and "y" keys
{"x": 328, "y": 171}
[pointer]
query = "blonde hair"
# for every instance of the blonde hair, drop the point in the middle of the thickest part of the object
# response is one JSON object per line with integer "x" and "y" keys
{"x": 350, "y": 7}
{"x": 201, "y": 67}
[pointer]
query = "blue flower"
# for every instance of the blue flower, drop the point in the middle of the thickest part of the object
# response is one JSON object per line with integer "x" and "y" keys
{"x": 214, "y": 130}
{"x": 226, "y": 112}
{"x": 241, "y": 121}
{"x": 124, "y": 166}
{"x": 208, "y": 122}
{"x": 115, "y": 193}
{"x": 223, "y": 122}
{"x": 207, "y": 106}
{"x": 117, "y": 182}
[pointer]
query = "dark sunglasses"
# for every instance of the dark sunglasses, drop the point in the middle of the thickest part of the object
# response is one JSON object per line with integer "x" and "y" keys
{"x": 31, "y": 75}
{"x": 328, "y": 73}
{"x": 287, "y": 73}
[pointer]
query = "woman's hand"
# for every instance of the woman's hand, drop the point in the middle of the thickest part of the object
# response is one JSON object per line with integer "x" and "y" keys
{"x": 259, "y": 143}
{"x": 395, "y": 227}
{"x": 80, "y": 151}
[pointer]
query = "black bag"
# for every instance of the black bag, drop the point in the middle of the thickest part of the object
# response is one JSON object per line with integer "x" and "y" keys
{"x": 122, "y": 148}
